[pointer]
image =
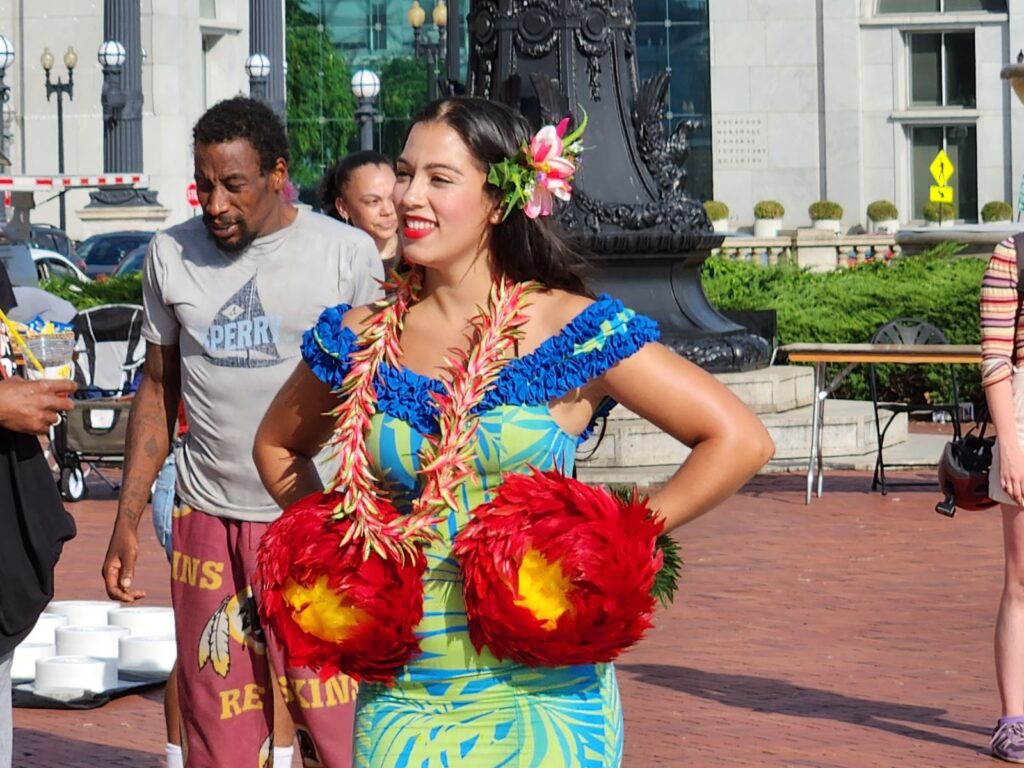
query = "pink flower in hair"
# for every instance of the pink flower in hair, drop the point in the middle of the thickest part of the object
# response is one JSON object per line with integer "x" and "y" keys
{"x": 540, "y": 171}
{"x": 552, "y": 170}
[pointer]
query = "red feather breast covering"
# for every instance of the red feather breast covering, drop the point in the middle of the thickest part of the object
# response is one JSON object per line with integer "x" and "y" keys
{"x": 558, "y": 572}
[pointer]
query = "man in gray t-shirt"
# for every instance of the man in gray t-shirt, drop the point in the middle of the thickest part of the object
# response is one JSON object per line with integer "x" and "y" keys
{"x": 227, "y": 297}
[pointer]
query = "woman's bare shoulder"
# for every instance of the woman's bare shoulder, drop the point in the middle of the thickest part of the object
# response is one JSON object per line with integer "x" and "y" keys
{"x": 357, "y": 318}
{"x": 554, "y": 309}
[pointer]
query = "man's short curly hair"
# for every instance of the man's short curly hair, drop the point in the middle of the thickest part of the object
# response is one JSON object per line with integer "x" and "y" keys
{"x": 244, "y": 118}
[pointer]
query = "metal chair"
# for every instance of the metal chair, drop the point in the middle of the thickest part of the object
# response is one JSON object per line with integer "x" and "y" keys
{"x": 907, "y": 330}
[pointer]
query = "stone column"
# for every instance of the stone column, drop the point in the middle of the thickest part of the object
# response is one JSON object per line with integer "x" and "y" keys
{"x": 266, "y": 36}
{"x": 122, "y": 136}
{"x": 123, "y": 207}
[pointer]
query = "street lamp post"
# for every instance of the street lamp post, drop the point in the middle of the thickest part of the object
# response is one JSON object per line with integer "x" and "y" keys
{"x": 423, "y": 47}
{"x": 111, "y": 56}
{"x": 60, "y": 88}
{"x": 365, "y": 87}
{"x": 257, "y": 67}
{"x": 6, "y": 58}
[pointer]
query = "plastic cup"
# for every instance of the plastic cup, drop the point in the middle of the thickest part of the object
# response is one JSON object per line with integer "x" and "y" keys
{"x": 54, "y": 352}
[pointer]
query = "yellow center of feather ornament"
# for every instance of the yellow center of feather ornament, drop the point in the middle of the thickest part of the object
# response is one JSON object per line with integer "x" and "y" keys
{"x": 544, "y": 589}
{"x": 321, "y": 611}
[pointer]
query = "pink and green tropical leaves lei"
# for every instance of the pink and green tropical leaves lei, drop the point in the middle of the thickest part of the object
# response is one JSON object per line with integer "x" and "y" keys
{"x": 446, "y": 459}
{"x": 540, "y": 171}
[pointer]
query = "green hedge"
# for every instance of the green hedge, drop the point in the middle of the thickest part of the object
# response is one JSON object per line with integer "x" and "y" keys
{"x": 126, "y": 289}
{"x": 848, "y": 305}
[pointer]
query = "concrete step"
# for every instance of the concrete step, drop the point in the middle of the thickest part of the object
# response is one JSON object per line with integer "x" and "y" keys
{"x": 774, "y": 389}
{"x": 634, "y": 450}
{"x": 849, "y": 430}
{"x": 918, "y": 451}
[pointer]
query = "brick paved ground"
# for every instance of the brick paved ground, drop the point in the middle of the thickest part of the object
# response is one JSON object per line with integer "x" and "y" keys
{"x": 853, "y": 633}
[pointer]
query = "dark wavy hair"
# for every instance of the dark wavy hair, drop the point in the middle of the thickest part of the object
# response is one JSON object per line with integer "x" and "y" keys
{"x": 244, "y": 118}
{"x": 522, "y": 248}
{"x": 337, "y": 176}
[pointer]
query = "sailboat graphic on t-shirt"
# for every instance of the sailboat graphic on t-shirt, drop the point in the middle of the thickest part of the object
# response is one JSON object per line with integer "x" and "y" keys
{"x": 242, "y": 334}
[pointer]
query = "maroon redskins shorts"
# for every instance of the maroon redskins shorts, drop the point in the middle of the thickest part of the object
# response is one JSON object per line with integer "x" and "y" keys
{"x": 223, "y": 675}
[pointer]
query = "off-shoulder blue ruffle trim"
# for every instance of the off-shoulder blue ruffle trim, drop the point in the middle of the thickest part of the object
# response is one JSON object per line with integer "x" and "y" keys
{"x": 549, "y": 372}
{"x": 326, "y": 346}
{"x": 555, "y": 368}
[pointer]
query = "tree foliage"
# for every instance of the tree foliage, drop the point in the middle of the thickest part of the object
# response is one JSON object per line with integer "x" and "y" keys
{"x": 403, "y": 91}
{"x": 321, "y": 106}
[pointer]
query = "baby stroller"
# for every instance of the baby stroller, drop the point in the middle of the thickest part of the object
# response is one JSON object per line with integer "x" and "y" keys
{"x": 110, "y": 352}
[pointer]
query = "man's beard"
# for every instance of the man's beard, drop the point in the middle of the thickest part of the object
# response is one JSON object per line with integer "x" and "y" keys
{"x": 244, "y": 241}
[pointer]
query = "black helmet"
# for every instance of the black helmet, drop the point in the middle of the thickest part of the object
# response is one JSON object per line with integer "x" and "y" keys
{"x": 963, "y": 474}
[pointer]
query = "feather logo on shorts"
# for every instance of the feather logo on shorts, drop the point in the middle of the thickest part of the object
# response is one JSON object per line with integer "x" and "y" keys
{"x": 267, "y": 752}
{"x": 235, "y": 619}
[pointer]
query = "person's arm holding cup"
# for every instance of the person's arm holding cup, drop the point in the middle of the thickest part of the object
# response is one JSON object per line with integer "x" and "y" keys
{"x": 32, "y": 407}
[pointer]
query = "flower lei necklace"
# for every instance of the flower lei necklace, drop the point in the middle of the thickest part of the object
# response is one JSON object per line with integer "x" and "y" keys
{"x": 342, "y": 570}
{"x": 445, "y": 458}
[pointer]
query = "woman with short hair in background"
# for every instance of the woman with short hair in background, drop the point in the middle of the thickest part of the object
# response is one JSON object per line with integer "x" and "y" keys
{"x": 357, "y": 190}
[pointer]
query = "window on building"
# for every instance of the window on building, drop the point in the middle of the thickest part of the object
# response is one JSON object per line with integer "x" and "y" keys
{"x": 960, "y": 143}
{"x": 941, "y": 6}
{"x": 378, "y": 27}
{"x": 672, "y": 36}
{"x": 208, "y": 9}
{"x": 942, "y": 70}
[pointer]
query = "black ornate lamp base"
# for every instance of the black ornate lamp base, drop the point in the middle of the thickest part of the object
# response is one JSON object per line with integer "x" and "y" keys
{"x": 123, "y": 197}
{"x": 722, "y": 353}
{"x": 667, "y": 288}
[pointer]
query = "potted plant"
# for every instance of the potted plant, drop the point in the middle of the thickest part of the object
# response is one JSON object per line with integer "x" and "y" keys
{"x": 826, "y": 215}
{"x": 719, "y": 215}
{"x": 768, "y": 218}
{"x": 883, "y": 217}
{"x": 939, "y": 213}
{"x": 997, "y": 210}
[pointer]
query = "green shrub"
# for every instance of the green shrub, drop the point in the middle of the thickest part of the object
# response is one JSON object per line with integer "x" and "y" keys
{"x": 769, "y": 209}
{"x": 997, "y": 210}
{"x": 882, "y": 210}
{"x": 125, "y": 289}
{"x": 825, "y": 209}
{"x": 716, "y": 211}
{"x": 938, "y": 212}
{"x": 848, "y": 305}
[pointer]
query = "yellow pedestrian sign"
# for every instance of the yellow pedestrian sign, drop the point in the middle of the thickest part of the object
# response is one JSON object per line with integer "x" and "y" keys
{"x": 942, "y": 170}
{"x": 941, "y": 195}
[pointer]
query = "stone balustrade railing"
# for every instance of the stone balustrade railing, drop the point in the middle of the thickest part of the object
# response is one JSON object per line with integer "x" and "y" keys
{"x": 816, "y": 249}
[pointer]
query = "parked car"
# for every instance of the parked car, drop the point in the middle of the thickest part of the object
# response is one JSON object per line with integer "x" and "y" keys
{"x": 132, "y": 262}
{"x": 52, "y": 264}
{"x": 102, "y": 253}
{"x": 18, "y": 262}
{"x": 51, "y": 238}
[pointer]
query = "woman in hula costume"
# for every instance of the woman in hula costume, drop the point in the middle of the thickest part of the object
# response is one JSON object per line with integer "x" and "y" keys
{"x": 454, "y": 566}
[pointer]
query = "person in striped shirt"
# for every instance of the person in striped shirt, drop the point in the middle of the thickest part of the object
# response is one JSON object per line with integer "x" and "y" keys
{"x": 1001, "y": 340}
